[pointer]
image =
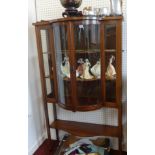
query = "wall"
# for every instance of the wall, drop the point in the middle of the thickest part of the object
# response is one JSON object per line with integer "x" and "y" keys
{"x": 50, "y": 9}
{"x": 36, "y": 123}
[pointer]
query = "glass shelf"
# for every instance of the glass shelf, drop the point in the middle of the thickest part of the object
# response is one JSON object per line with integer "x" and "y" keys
{"x": 83, "y": 51}
{"x": 85, "y": 80}
{"x": 110, "y": 50}
{"x": 82, "y": 80}
{"x": 49, "y": 76}
{"x": 88, "y": 51}
{"x": 47, "y": 52}
{"x": 78, "y": 51}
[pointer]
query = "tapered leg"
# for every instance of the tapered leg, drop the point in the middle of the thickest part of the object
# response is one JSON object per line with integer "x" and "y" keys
{"x": 120, "y": 146}
{"x": 47, "y": 120}
{"x": 55, "y": 118}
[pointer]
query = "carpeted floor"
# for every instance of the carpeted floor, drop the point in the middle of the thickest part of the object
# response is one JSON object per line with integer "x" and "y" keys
{"x": 49, "y": 146}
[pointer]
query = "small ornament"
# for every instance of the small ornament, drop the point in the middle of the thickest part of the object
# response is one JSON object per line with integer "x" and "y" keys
{"x": 96, "y": 70}
{"x": 88, "y": 11}
{"x": 65, "y": 67}
{"x": 111, "y": 72}
{"x": 71, "y": 7}
{"x": 79, "y": 70}
{"x": 86, "y": 74}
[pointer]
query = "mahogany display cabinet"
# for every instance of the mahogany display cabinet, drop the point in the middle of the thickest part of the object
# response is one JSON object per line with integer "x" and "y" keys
{"x": 80, "y": 61}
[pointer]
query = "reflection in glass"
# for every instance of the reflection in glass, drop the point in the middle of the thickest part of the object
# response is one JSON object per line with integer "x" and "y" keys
{"x": 110, "y": 36}
{"x": 46, "y": 52}
{"x": 47, "y": 61}
{"x": 62, "y": 63}
{"x": 88, "y": 68}
{"x": 47, "y": 64}
{"x": 85, "y": 37}
{"x": 49, "y": 87}
{"x": 44, "y": 40}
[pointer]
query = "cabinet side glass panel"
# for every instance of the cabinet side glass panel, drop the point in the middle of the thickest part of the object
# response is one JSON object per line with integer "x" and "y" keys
{"x": 62, "y": 63}
{"x": 87, "y": 62}
{"x": 110, "y": 62}
{"x": 47, "y": 61}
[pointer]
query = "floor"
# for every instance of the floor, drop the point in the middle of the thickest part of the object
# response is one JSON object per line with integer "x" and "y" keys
{"x": 48, "y": 148}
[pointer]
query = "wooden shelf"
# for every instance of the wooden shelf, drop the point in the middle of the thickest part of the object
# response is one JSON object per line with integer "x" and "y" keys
{"x": 86, "y": 129}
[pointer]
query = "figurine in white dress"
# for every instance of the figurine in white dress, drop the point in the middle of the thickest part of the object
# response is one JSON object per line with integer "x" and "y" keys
{"x": 111, "y": 72}
{"x": 65, "y": 67}
{"x": 86, "y": 74}
{"x": 96, "y": 69}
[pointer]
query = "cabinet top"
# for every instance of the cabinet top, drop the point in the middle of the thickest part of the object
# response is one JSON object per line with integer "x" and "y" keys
{"x": 47, "y": 22}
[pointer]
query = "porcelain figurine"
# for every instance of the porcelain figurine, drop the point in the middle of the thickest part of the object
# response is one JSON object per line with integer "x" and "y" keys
{"x": 79, "y": 70}
{"x": 65, "y": 67}
{"x": 96, "y": 69}
{"x": 88, "y": 11}
{"x": 111, "y": 72}
{"x": 86, "y": 74}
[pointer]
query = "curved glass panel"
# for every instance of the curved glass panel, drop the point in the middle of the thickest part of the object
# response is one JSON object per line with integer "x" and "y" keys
{"x": 87, "y": 62}
{"x": 62, "y": 63}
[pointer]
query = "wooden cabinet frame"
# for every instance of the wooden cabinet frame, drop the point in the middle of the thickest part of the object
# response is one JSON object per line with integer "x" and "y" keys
{"x": 78, "y": 128}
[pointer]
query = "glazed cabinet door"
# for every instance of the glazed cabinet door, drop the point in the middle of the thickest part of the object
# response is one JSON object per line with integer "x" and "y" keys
{"x": 46, "y": 63}
{"x": 112, "y": 61}
{"x": 62, "y": 63}
{"x": 86, "y": 57}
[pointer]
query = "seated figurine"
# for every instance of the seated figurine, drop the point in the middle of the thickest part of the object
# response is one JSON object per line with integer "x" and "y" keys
{"x": 111, "y": 72}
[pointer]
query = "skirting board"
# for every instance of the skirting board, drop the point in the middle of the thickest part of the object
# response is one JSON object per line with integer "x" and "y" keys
{"x": 36, "y": 145}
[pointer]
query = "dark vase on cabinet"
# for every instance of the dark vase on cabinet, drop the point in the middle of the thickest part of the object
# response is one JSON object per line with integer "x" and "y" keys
{"x": 80, "y": 68}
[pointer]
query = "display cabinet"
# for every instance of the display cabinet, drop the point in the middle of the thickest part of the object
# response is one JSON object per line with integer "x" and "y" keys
{"x": 80, "y": 66}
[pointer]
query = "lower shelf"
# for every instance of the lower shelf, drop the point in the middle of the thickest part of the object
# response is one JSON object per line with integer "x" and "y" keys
{"x": 49, "y": 147}
{"x": 86, "y": 129}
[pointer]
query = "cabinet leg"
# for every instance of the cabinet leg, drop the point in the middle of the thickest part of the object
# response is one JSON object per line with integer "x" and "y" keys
{"x": 48, "y": 133}
{"x": 55, "y": 118}
{"x": 120, "y": 146}
{"x": 47, "y": 121}
{"x": 57, "y": 134}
